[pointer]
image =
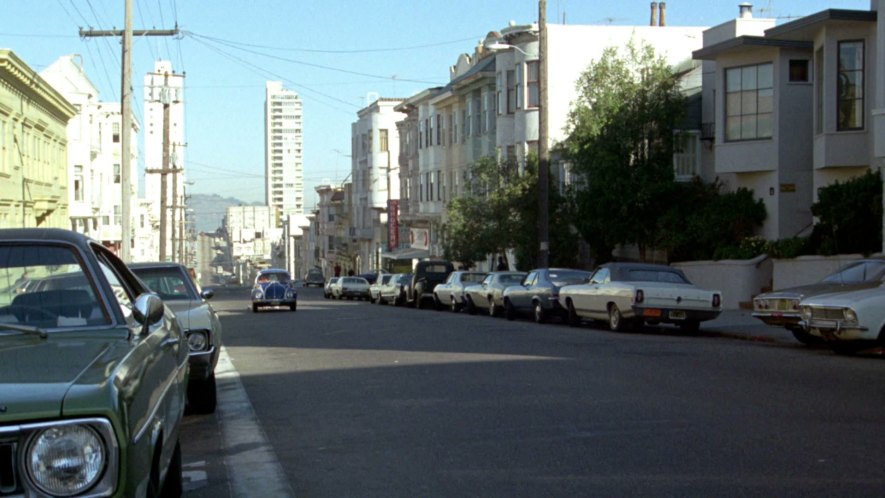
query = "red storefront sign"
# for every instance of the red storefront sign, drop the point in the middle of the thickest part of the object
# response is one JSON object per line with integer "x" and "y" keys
{"x": 392, "y": 224}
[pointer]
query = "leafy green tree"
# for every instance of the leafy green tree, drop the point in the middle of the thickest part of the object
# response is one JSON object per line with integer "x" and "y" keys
{"x": 620, "y": 141}
{"x": 499, "y": 211}
{"x": 850, "y": 215}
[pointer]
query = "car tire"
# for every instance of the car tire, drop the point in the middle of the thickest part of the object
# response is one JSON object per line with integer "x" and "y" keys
{"x": 616, "y": 322}
{"x": 454, "y": 306}
{"x": 400, "y": 300}
{"x": 468, "y": 304}
{"x": 293, "y": 307}
{"x": 573, "y": 319}
{"x": 509, "y": 311}
{"x": 494, "y": 309}
{"x": 202, "y": 397}
{"x": 173, "y": 485}
{"x": 437, "y": 304}
{"x": 806, "y": 338}
{"x": 254, "y": 308}
{"x": 540, "y": 315}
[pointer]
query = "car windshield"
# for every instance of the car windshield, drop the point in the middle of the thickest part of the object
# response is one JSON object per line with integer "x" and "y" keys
{"x": 436, "y": 268}
{"x": 511, "y": 279}
{"x": 646, "y": 275}
{"x": 46, "y": 286}
{"x": 169, "y": 283}
{"x": 273, "y": 277}
{"x": 863, "y": 271}
{"x": 473, "y": 277}
{"x": 561, "y": 278}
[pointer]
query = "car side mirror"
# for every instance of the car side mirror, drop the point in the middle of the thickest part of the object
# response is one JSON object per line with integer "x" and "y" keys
{"x": 207, "y": 294}
{"x": 148, "y": 310}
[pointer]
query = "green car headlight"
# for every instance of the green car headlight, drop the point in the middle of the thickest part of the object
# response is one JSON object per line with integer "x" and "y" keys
{"x": 197, "y": 340}
{"x": 66, "y": 460}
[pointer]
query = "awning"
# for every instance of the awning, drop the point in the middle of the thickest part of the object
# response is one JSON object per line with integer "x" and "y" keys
{"x": 406, "y": 253}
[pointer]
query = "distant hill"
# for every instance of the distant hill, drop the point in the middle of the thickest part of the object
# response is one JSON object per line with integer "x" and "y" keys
{"x": 209, "y": 210}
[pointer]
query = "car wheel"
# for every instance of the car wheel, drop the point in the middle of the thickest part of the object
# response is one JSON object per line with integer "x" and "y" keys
{"x": 509, "y": 311}
{"x": 293, "y": 306}
{"x": 573, "y": 319}
{"x": 806, "y": 338}
{"x": 401, "y": 300}
{"x": 454, "y": 305}
{"x": 202, "y": 397}
{"x": 172, "y": 486}
{"x": 540, "y": 314}
{"x": 468, "y": 303}
{"x": 437, "y": 304}
{"x": 615, "y": 319}
{"x": 254, "y": 308}
{"x": 493, "y": 308}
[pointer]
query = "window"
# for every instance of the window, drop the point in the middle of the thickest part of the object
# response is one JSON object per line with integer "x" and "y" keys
{"x": 78, "y": 182}
{"x": 117, "y": 173}
{"x": 749, "y": 102}
{"x": 533, "y": 73}
{"x": 439, "y": 130}
{"x": 115, "y": 130}
{"x": 819, "y": 90}
{"x": 799, "y": 72}
{"x": 465, "y": 124}
{"x": 382, "y": 139}
{"x": 687, "y": 155}
{"x": 850, "y": 87}
{"x": 451, "y": 129}
{"x": 511, "y": 91}
{"x": 520, "y": 78}
{"x": 499, "y": 93}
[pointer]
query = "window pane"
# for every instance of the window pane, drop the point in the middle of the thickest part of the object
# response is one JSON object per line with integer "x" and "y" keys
{"x": 748, "y": 78}
{"x": 748, "y": 102}
{"x": 764, "y": 125}
{"x": 733, "y": 130}
{"x": 733, "y": 104}
{"x": 732, "y": 80}
{"x": 748, "y": 126}
{"x": 766, "y": 101}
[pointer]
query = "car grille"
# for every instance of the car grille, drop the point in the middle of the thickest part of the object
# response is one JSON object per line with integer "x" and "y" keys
{"x": 781, "y": 305}
{"x": 8, "y": 477}
{"x": 827, "y": 314}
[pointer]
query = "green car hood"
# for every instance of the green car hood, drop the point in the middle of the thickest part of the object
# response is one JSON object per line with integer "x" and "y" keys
{"x": 36, "y": 374}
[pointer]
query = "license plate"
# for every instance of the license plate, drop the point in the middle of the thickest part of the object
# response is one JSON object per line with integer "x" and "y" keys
{"x": 651, "y": 312}
{"x": 275, "y": 302}
{"x": 677, "y": 315}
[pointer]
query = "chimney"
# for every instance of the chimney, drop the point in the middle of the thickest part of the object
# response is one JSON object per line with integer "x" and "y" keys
{"x": 746, "y": 10}
{"x": 654, "y": 14}
{"x": 663, "y": 16}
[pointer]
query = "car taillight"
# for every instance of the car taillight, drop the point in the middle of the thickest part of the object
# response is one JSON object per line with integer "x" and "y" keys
{"x": 640, "y": 296}
{"x": 717, "y": 300}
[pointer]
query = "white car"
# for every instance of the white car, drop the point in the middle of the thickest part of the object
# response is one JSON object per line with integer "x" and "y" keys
{"x": 451, "y": 292}
{"x": 351, "y": 288}
{"x": 848, "y": 321}
{"x": 630, "y": 294}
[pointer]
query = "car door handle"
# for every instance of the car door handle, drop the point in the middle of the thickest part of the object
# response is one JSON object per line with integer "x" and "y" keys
{"x": 169, "y": 342}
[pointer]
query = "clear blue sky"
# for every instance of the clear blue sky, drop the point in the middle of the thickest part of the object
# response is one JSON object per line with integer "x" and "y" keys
{"x": 332, "y": 52}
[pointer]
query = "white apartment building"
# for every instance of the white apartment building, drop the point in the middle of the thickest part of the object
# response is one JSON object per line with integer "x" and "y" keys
{"x": 94, "y": 155}
{"x": 253, "y": 231}
{"x": 490, "y": 108}
{"x": 375, "y": 178}
{"x": 164, "y": 152}
{"x": 792, "y": 107}
{"x": 283, "y": 149}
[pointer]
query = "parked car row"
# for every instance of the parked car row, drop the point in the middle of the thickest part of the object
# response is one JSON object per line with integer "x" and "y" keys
{"x": 623, "y": 295}
{"x": 846, "y": 309}
{"x": 100, "y": 363}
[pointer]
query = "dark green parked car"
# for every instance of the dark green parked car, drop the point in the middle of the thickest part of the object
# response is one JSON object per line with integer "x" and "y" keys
{"x": 93, "y": 373}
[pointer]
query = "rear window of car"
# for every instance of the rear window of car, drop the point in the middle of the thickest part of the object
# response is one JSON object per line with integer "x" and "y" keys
{"x": 561, "y": 278}
{"x": 511, "y": 279}
{"x": 671, "y": 277}
{"x": 436, "y": 269}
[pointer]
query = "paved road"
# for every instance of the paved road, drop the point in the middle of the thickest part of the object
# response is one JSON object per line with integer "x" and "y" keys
{"x": 350, "y": 399}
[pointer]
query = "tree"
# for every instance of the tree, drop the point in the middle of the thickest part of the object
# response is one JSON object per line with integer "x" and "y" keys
{"x": 621, "y": 141}
{"x": 850, "y": 215}
{"x": 499, "y": 211}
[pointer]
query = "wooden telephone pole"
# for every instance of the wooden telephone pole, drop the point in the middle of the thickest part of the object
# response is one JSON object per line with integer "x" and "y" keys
{"x": 126, "y": 237}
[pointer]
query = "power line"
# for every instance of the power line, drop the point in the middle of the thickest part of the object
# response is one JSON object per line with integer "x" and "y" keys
{"x": 329, "y": 51}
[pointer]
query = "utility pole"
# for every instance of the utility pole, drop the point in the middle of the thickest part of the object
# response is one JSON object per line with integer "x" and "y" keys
{"x": 543, "y": 149}
{"x": 126, "y": 111}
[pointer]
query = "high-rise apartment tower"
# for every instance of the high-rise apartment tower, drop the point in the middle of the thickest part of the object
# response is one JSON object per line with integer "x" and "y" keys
{"x": 283, "y": 150}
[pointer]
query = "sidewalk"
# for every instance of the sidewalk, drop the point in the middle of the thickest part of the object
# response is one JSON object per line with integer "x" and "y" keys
{"x": 739, "y": 324}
